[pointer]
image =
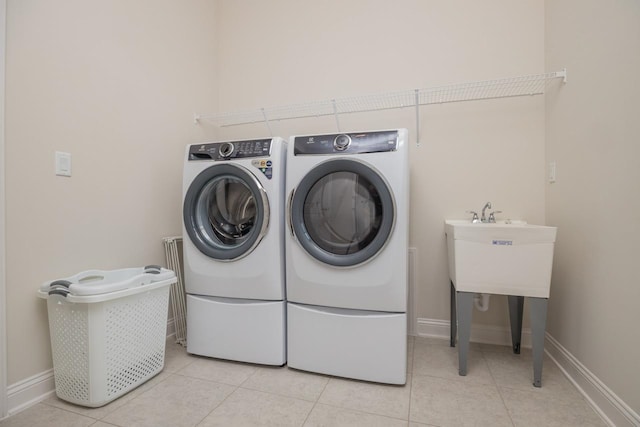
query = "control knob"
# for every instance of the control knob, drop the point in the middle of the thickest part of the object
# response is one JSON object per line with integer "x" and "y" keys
{"x": 226, "y": 149}
{"x": 341, "y": 142}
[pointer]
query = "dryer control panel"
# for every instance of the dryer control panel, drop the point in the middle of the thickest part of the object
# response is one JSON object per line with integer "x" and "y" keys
{"x": 346, "y": 143}
{"x": 230, "y": 150}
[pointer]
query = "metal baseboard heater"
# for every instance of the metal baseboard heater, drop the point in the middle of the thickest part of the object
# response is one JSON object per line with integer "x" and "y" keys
{"x": 173, "y": 254}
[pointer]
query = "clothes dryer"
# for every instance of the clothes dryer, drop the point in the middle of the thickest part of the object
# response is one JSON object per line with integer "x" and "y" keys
{"x": 233, "y": 227}
{"x": 346, "y": 254}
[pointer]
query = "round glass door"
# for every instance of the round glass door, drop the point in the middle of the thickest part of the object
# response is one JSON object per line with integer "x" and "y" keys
{"x": 226, "y": 212}
{"x": 342, "y": 213}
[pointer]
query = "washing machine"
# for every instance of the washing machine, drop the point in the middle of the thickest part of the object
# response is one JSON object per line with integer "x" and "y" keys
{"x": 347, "y": 254}
{"x": 233, "y": 247}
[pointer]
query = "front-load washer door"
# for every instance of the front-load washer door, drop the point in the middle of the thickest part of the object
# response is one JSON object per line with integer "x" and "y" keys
{"x": 342, "y": 212}
{"x": 226, "y": 212}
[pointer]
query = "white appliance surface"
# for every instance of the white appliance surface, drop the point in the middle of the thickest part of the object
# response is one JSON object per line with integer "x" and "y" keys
{"x": 233, "y": 247}
{"x": 260, "y": 274}
{"x": 242, "y": 330}
{"x": 363, "y": 345}
{"x": 377, "y": 284}
{"x": 346, "y": 252}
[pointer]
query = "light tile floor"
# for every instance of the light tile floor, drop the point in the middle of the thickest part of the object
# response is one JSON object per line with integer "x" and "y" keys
{"x": 203, "y": 392}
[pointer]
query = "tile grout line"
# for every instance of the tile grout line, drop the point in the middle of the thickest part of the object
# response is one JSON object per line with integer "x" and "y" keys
{"x": 316, "y": 402}
{"x": 513, "y": 423}
{"x": 352, "y": 409}
{"x": 413, "y": 355}
{"x": 360, "y": 411}
{"x": 68, "y": 411}
{"x": 237, "y": 387}
{"x": 286, "y": 367}
{"x": 104, "y": 422}
{"x": 217, "y": 406}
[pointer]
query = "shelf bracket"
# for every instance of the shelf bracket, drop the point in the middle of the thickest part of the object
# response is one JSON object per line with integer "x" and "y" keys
{"x": 417, "y": 94}
{"x": 335, "y": 114}
{"x": 563, "y": 74}
{"x": 266, "y": 121}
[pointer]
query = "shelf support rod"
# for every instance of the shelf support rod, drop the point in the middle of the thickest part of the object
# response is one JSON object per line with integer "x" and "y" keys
{"x": 266, "y": 121}
{"x": 335, "y": 114}
{"x": 417, "y": 94}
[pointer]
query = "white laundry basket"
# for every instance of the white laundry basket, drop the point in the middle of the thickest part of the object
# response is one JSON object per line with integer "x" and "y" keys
{"x": 108, "y": 331}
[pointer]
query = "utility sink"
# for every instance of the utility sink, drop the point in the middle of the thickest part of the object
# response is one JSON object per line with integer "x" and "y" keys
{"x": 512, "y": 258}
{"x": 508, "y": 258}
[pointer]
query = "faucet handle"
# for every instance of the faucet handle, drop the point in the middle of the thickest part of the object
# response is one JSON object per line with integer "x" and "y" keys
{"x": 475, "y": 216}
{"x": 492, "y": 216}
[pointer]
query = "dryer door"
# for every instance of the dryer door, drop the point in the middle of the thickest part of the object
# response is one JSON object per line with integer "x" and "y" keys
{"x": 342, "y": 212}
{"x": 226, "y": 212}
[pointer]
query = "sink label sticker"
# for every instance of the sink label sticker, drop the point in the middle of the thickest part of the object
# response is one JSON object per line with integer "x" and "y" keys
{"x": 502, "y": 242}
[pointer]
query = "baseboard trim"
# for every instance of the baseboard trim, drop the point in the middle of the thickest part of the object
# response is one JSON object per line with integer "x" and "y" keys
{"x": 605, "y": 402}
{"x": 434, "y": 328}
{"x": 30, "y": 391}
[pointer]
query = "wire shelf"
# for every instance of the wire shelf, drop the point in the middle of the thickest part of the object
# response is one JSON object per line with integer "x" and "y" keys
{"x": 530, "y": 85}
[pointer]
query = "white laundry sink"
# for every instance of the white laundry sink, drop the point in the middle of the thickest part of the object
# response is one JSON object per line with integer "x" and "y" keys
{"x": 509, "y": 258}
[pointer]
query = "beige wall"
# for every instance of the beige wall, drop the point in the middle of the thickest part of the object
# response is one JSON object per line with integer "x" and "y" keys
{"x": 116, "y": 85}
{"x": 288, "y": 51}
{"x": 592, "y": 133}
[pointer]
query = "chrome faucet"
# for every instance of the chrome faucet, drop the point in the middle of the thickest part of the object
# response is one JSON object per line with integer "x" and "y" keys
{"x": 484, "y": 216}
{"x": 490, "y": 219}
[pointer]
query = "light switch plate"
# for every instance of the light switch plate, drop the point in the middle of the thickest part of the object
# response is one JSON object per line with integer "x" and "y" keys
{"x": 63, "y": 163}
{"x": 552, "y": 172}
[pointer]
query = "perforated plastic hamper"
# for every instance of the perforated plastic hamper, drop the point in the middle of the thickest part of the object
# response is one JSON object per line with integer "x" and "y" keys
{"x": 108, "y": 331}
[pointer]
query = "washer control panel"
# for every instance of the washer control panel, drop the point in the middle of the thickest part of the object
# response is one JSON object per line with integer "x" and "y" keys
{"x": 346, "y": 143}
{"x": 230, "y": 150}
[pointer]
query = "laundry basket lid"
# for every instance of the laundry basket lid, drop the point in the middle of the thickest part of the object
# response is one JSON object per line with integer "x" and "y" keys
{"x": 98, "y": 282}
